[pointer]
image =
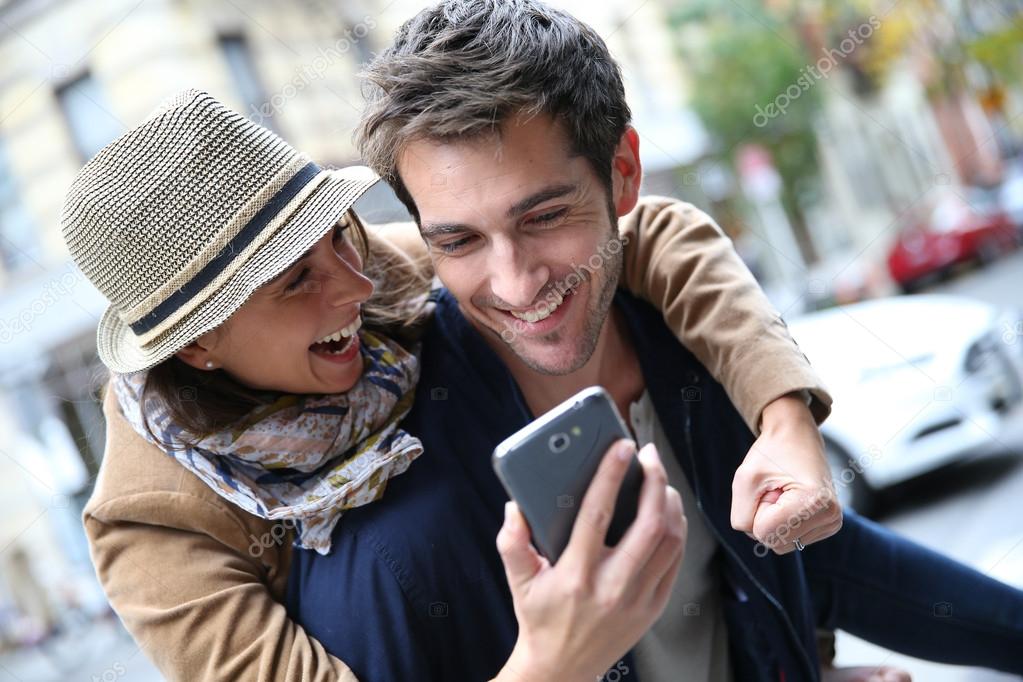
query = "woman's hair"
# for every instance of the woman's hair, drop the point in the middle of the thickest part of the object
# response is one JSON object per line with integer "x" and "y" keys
{"x": 203, "y": 402}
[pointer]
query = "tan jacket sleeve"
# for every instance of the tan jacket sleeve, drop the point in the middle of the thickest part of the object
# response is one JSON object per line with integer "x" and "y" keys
{"x": 680, "y": 260}
{"x": 196, "y": 581}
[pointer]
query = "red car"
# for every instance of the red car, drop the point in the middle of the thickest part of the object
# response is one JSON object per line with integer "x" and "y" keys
{"x": 958, "y": 228}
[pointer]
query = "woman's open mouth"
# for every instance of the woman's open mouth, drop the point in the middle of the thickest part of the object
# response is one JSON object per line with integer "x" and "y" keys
{"x": 341, "y": 346}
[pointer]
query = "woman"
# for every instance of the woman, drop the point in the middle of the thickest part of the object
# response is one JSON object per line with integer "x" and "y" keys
{"x": 234, "y": 268}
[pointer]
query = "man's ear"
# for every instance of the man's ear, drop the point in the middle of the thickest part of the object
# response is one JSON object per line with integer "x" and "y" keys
{"x": 200, "y": 352}
{"x": 626, "y": 172}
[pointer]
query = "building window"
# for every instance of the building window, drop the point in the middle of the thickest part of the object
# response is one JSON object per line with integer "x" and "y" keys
{"x": 245, "y": 75}
{"x": 18, "y": 243}
{"x": 88, "y": 115}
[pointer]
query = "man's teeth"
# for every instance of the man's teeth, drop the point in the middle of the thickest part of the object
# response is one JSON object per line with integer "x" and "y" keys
{"x": 553, "y": 302}
{"x": 348, "y": 331}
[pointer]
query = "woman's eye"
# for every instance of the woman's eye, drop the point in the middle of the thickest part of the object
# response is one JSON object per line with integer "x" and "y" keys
{"x": 297, "y": 282}
{"x": 340, "y": 232}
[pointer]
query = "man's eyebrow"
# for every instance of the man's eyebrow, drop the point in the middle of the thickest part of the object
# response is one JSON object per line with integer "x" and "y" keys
{"x": 432, "y": 230}
{"x": 543, "y": 195}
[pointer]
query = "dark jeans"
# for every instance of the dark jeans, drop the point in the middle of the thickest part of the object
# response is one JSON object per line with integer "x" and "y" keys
{"x": 890, "y": 591}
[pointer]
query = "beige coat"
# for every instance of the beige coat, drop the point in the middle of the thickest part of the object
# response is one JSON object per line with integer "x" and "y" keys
{"x": 197, "y": 581}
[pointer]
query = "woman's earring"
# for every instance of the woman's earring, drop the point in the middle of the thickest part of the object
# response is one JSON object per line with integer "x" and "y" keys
{"x": 209, "y": 364}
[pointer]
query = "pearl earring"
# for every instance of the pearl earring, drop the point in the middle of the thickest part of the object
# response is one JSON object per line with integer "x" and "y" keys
{"x": 209, "y": 364}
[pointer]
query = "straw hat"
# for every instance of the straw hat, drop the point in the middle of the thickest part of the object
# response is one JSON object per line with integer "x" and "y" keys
{"x": 181, "y": 219}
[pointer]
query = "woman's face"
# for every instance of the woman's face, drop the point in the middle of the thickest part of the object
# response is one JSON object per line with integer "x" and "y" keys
{"x": 296, "y": 333}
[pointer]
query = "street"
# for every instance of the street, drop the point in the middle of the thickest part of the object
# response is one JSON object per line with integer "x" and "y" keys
{"x": 972, "y": 512}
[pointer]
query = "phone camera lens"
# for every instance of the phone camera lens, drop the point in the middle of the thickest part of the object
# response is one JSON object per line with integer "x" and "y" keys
{"x": 558, "y": 443}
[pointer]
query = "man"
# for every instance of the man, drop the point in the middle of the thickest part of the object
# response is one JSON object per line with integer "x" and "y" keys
{"x": 503, "y": 127}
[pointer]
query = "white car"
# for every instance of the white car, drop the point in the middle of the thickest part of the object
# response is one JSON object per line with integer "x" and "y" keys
{"x": 918, "y": 381}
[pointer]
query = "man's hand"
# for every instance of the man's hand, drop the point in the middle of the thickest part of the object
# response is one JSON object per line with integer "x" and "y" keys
{"x": 578, "y": 617}
{"x": 783, "y": 489}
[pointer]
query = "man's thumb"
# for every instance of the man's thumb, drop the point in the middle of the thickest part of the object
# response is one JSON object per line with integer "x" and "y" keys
{"x": 521, "y": 560}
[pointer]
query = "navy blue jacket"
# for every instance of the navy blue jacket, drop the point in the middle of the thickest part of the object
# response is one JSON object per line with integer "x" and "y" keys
{"x": 414, "y": 587}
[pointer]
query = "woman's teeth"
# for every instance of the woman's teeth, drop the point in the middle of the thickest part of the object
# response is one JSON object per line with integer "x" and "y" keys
{"x": 342, "y": 349}
{"x": 553, "y": 302}
{"x": 345, "y": 333}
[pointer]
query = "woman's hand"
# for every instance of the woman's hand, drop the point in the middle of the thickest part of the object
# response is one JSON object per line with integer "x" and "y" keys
{"x": 783, "y": 490}
{"x": 882, "y": 673}
{"x": 578, "y": 617}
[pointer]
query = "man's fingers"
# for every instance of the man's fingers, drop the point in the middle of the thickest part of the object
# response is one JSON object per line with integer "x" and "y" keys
{"x": 664, "y": 586}
{"x": 520, "y": 558}
{"x": 663, "y": 566}
{"x": 644, "y": 535}
{"x": 597, "y": 508}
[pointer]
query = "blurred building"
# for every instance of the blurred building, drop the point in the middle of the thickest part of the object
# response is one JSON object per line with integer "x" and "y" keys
{"x": 915, "y": 116}
{"x": 916, "y": 98}
{"x": 75, "y": 75}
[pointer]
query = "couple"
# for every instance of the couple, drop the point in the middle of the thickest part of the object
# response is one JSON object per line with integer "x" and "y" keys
{"x": 238, "y": 278}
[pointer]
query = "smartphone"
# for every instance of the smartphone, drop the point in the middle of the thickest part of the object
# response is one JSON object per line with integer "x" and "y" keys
{"x": 547, "y": 466}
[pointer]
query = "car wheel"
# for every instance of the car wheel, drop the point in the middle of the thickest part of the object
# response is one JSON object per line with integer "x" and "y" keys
{"x": 989, "y": 251}
{"x": 851, "y": 485}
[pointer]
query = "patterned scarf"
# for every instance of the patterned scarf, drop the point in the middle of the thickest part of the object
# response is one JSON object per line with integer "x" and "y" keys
{"x": 303, "y": 459}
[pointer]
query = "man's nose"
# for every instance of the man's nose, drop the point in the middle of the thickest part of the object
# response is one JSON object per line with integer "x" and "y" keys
{"x": 516, "y": 277}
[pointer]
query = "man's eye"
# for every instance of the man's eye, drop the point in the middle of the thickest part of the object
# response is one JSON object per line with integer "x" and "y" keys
{"x": 297, "y": 282}
{"x": 548, "y": 218}
{"x": 452, "y": 247}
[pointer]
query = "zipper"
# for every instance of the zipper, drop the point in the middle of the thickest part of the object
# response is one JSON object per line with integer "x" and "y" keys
{"x": 731, "y": 551}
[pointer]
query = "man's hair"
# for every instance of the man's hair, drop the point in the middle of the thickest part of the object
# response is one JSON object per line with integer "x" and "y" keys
{"x": 462, "y": 68}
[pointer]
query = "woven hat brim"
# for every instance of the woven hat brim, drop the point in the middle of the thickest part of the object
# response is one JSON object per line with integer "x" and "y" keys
{"x": 118, "y": 345}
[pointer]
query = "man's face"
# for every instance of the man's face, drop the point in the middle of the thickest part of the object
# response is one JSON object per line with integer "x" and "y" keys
{"x": 522, "y": 234}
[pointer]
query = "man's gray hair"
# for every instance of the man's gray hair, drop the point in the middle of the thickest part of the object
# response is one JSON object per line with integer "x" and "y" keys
{"x": 462, "y": 68}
